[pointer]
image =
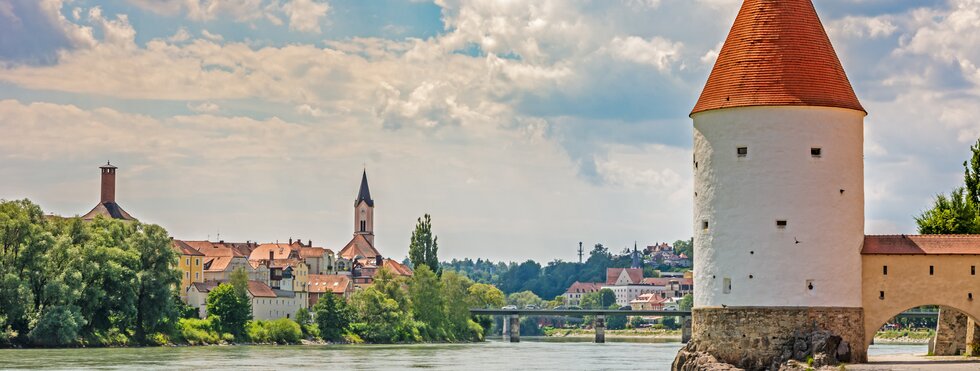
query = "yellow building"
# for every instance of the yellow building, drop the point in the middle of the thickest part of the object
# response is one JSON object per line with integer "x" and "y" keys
{"x": 191, "y": 266}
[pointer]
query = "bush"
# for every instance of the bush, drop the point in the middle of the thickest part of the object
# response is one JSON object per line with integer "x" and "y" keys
{"x": 58, "y": 326}
{"x": 197, "y": 331}
{"x": 280, "y": 331}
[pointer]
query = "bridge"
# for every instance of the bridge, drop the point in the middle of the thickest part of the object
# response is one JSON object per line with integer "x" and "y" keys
{"x": 512, "y": 317}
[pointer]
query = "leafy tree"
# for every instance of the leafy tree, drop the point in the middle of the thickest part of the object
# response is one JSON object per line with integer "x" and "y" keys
{"x": 455, "y": 294}
{"x": 523, "y": 299}
{"x": 482, "y": 295}
{"x": 58, "y": 326}
{"x": 599, "y": 299}
{"x": 157, "y": 279}
{"x": 955, "y": 214}
{"x": 971, "y": 174}
{"x": 333, "y": 317}
{"x": 615, "y": 322}
{"x": 686, "y": 303}
{"x": 303, "y": 317}
{"x": 380, "y": 319}
{"x": 685, "y": 247}
{"x": 427, "y": 303}
{"x": 424, "y": 246}
{"x": 230, "y": 310}
{"x": 393, "y": 288}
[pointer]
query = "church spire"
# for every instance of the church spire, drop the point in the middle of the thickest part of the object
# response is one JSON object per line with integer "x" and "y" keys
{"x": 364, "y": 194}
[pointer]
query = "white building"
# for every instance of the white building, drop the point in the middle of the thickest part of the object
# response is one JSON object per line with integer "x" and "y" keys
{"x": 266, "y": 303}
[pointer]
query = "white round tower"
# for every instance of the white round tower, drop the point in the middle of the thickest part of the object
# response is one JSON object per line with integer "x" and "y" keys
{"x": 779, "y": 189}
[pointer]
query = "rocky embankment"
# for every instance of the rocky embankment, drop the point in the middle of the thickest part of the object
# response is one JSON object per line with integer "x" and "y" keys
{"x": 814, "y": 350}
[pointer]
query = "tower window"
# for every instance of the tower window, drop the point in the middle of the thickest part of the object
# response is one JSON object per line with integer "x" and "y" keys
{"x": 363, "y": 226}
{"x": 781, "y": 224}
{"x": 973, "y": 270}
{"x": 809, "y": 284}
{"x": 815, "y": 152}
{"x": 727, "y": 285}
{"x": 881, "y": 295}
{"x": 932, "y": 270}
{"x": 742, "y": 151}
{"x": 884, "y": 270}
{"x": 704, "y": 225}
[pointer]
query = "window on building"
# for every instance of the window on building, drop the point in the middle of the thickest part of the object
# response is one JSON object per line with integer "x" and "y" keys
{"x": 969, "y": 296}
{"x": 809, "y": 284}
{"x": 781, "y": 224}
{"x": 363, "y": 226}
{"x": 815, "y": 152}
{"x": 932, "y": 270}
{"x": 187, "y": 261}
{"x": 727, "y": 285}
{"x": 186, "y": 274}
{"x": 973, "y": 270}
{"x": 704, "y": 225}
{"x": 197, "y": 261}
{"x": 881, "y": 295}
{"x": 884, "y": 270}
{"x": 197, "y": 275}
{"x": 742, "y": 151}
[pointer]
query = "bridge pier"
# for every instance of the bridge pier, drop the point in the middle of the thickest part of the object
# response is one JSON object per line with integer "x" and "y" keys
{"x": 600, "y": 329}
{"x": 685, "y": 329}
{"x": 514, "y": 323}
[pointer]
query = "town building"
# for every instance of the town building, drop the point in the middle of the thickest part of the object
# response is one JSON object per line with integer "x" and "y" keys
{"x": 779, "y": 206}
{"x": 191, "y": 266}
{"x": 107, "y": 206}
{"x": 649, "y": 301}
{"x": 335, "y": 284}
{"x": 267, "y": 303}
{"x": 573, "y": 296}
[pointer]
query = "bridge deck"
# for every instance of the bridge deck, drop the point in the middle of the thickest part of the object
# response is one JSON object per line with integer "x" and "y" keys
{"x": 580, "y": 312}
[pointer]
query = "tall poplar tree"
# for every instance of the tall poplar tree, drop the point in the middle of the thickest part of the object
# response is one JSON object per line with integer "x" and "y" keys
{"x": 424, "y": 247}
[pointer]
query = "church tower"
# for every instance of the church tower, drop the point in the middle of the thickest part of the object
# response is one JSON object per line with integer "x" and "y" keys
{"x": 364, "y": 211}
{"x": 778, "y": 188}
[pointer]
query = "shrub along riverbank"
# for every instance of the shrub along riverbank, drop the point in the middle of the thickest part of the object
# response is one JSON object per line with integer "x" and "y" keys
{"x": 69, "y": 283}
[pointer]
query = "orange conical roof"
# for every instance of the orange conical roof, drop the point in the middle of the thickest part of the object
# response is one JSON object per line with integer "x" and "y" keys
{"x": 777, "y": 54}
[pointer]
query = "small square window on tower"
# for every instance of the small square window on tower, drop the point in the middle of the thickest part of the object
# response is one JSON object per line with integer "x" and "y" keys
{"x": 815, "y": 152}
{"x": 781, "y": 224}
{"x": 704, "y": 225}
{"x": 742, "y": 151}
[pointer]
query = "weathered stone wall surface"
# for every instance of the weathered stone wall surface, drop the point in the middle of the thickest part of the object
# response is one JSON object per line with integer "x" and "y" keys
{"x": 755, "y": 337}
{"x": 950, "y": 333}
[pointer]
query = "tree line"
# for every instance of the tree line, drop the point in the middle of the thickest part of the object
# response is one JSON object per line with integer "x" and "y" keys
{"x": 959, "y": 211}
{"x": 555, "y": 277}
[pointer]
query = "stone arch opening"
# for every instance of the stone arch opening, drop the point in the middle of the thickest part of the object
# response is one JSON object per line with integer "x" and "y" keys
{"x": 957, "y": 330}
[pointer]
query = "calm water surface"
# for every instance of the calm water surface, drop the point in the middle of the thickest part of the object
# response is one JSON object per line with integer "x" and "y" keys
{"x": 530, "y": 354}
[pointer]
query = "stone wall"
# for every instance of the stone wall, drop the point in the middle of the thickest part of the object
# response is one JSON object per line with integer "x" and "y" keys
{"x": 956, "y": 334}
{"x": 755, "y": 338}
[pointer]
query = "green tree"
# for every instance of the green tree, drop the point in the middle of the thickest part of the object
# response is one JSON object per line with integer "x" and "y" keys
{"x": 955, "y": 214}
{"x": 523, "y": 299}
{"x": 599, "y": 299}
{"x": 230, "y": 310}
{"x": 424, "y": 246}
{"x": 156, "y": 311}
{"x": 459, "y": 322}
{"x": 971, "y": 174}
{"x": 380, "y": 319}
{"x": 685, "y": 247}
{"x": 303, "y": 317}
{"x": 332, "y": 317}
{"x": 482, "y": 295}
{"x": 686, "y": 303}
{"x": 427, "y": 303}
{"x": 58, "y": 326}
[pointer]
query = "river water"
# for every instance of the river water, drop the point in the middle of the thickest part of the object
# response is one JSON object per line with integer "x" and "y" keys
{"x": 530, "y": 354}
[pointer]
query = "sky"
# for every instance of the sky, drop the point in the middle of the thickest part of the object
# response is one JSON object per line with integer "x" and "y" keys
{"x": 523, "y": 128}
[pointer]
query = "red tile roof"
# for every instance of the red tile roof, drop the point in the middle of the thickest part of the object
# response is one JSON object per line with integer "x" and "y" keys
{"x": 583, "y": 287}
{"x": 183, "y": 248}
{"x": 335, "y": 283}
{"x": 397, "y": 268}
{"x": 664, "y": 281}
{"x": 279, "y": 250}
{"x": 612, "y": 274}
{"x": 313, "y": 252}
{"x": 931, "y": 244}
{"x": 260, "y": 290}
{"x": 358, "y": 246}
{"x": 777, "y": 54}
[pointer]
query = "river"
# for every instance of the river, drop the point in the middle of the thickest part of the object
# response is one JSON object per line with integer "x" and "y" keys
{"x": 530, "y": 354}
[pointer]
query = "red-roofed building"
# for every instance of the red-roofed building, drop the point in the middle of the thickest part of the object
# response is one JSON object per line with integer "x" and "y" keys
{"x": 267, "y": 303}
{"x": 575, "y": 292}
{"x": 649, "y": 301}
{"x": 623, "y": 276}
{"x": 336, "y": 284}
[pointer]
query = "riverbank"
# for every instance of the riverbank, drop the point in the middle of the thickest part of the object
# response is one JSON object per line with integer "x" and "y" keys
{"x": 628, "y": 333}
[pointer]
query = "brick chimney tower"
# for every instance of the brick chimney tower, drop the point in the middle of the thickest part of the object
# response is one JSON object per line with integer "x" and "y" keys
{"x": 108, "y": 183}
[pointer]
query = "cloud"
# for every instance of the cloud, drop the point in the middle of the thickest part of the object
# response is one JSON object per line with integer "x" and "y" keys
{"x": 658, "y": 52}
{"x": 205, "y": 10}
{"x": 211, "y": 36}
{"x": 204, "y": 107}
{"x": 180, "y": 36}
{"x": 34, "y": 31}
{"x": 305, "y": 15}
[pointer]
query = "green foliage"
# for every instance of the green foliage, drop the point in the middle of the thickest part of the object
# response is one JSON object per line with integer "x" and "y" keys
{"x": 953, "y": 214}
{"x": 58, "y": 326}
{"x": 230, "y": 309}
{"x": 459, "y": 325}
{"x": 425, "y": 291}
{"x": 64, "y": 281}
{"x": 686, "y": 303}
{"x": 615, "y": 322}
{"x": 424, "y": 246}
{"x": 332, "y": 317}
{"x": 303, "y": 317}
{"x": 381, "y": 320}
{"x": 198, "y": 331}
{"x": 599, "y": 299}
{"x": 280, "y": 331}
{"x": 523, "y": 299}
{"x": 685, "y": 247}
